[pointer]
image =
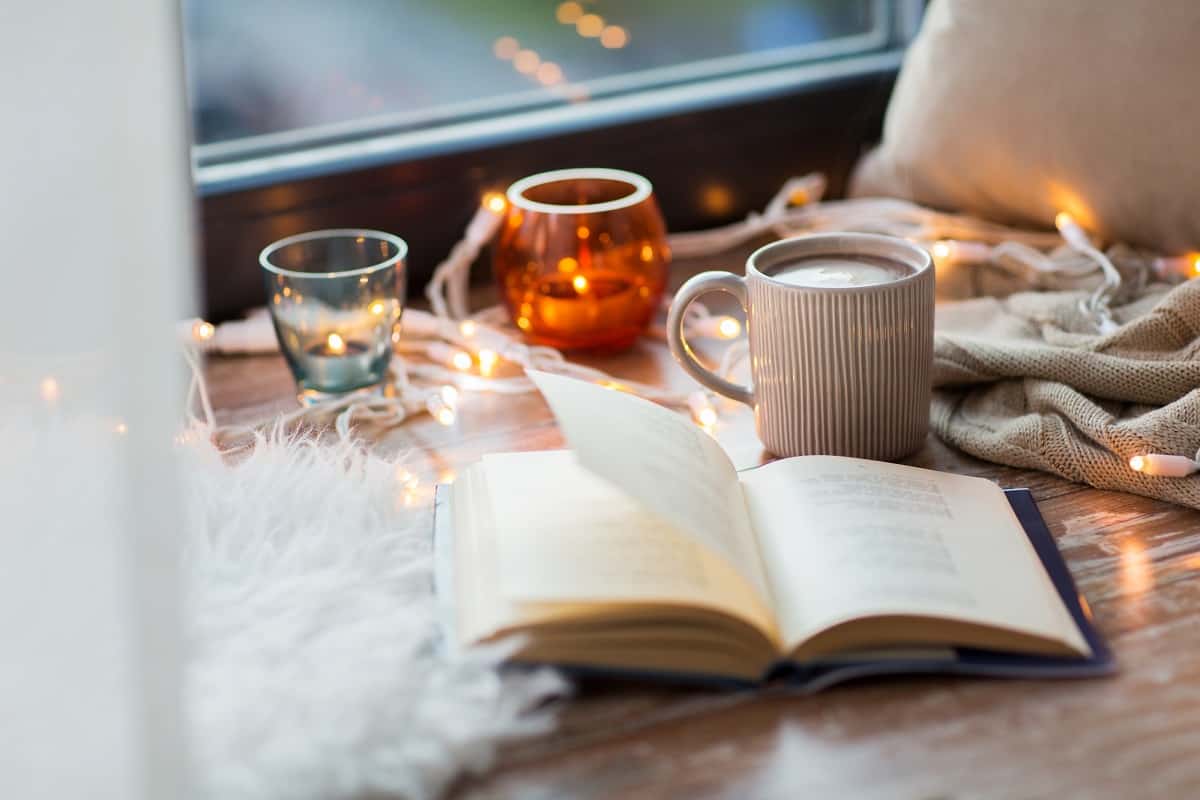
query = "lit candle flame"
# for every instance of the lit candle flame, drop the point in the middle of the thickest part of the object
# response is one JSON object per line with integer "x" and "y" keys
{"x": 461, "y": 361}
{"x": 580, "y": 283}
{"x": 468, "y": 328}
{"x": 377, "y": 308}
{"x": 336, "y": 344}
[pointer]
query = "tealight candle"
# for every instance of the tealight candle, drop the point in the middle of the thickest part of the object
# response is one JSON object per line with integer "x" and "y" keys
{"x": 581, "y": 258}
{"x": 335, "y": 302}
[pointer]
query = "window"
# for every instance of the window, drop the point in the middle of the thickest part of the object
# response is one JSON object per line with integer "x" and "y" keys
{"x": 282, "y": 89}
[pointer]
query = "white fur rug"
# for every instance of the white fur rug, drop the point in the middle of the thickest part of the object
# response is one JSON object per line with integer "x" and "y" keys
{"x": 315, "y": 669}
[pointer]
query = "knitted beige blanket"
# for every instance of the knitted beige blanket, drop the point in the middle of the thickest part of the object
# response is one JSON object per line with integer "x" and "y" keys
{"x": 1021, "y": 381}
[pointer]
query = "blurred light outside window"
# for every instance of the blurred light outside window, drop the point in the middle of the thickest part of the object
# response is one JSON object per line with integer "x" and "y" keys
{"x": 270, "y": 77}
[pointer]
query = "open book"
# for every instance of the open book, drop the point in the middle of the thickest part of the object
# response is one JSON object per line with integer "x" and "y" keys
{"x": 642, "y": 550}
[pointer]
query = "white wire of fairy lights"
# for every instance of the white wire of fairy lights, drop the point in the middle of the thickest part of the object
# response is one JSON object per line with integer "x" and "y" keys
{"x": 452, "y": 349}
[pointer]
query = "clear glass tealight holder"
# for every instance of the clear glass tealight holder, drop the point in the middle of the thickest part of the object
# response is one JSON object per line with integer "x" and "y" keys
{"x": 335, "y": 297}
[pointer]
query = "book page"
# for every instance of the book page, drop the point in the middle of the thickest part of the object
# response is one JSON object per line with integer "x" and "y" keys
{"x": 663, "y": 461}
{"x": 844, "y": 538}
{"x": 564, "y": 535}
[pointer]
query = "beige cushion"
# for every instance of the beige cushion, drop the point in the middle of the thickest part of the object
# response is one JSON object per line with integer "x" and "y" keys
{"x": 1016, "y": 110}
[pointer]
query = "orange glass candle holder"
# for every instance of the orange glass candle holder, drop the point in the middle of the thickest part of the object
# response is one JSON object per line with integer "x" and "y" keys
{"x": 581, "y": 258}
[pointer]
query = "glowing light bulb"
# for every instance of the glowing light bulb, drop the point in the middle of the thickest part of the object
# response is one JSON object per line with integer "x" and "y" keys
{"x": 405, "y": 478}
{"x": 487, "y": 362}
{"x": 582, "y": 232}
{"x": 450, "y": 395}
{"x": 948, "y": 251}
{"x": 729, "y": 328}
{"x": 1162, "y": 465}
{"x": 568, "y": 13}
{"x": 439, "y": 409}
{"x": 468, "y": 328}
{"x": 494, "y": 202}
{"x": 526, "y": 61}
{"x": 647, "y": 253}
{"x": 614, "y": 37}
{"x": 567, "y": 264}
{"x": 376, "y": 308}
{"x": 589, "y": 26}
{"x": 702, "y": 410}
{"x": 460, "y": 361}
{"x": 506, "y": 47}
{"x": 335, "y": 344}
{"x": 203, "y": 331}
{"x": 524, "y": 324}
{"x": 580, "y": 283}
{"x": 549, "y": 73}
{"x": 1063, "y": 220}
{"x": 49, "y": 390}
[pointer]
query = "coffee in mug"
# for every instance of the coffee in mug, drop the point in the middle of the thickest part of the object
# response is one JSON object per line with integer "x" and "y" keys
{"x": 841, "y": 343}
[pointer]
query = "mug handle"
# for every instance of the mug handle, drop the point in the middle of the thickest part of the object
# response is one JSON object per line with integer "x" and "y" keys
{"x": 703, "y": 283}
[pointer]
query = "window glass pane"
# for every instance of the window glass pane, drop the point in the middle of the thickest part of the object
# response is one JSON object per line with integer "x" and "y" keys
{"x": 269, "y": 66}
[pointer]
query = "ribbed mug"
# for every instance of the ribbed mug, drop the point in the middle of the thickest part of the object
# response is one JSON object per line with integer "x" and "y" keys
{"x": 836, "y": 370}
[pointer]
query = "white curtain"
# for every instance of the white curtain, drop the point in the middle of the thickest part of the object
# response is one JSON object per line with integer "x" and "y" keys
{"x": 96, "y": 259}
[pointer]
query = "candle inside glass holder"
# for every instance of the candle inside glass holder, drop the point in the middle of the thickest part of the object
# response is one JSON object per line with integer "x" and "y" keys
{"x": 335, "y": 300}
{"x": 581, "y": 258}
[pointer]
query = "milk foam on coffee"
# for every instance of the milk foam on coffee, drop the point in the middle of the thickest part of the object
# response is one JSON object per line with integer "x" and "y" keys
{"x": 834, "y": 272}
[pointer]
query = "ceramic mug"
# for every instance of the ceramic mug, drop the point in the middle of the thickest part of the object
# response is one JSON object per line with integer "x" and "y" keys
{"x": 841, "y": 343}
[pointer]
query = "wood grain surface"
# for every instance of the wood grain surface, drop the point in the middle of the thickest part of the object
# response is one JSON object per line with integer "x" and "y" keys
{"x": 1136, "y": 735}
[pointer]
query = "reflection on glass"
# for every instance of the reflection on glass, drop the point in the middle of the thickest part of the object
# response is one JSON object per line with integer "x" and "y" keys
{"x": 271, "y": 66}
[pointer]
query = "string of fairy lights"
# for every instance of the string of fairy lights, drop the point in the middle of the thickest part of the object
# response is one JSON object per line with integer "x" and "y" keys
{"x": 527, "y": 61}
{"x": 441, "y": 353}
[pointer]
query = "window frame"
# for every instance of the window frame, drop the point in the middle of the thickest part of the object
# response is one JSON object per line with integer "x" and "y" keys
{"x": 257, "y": 161}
